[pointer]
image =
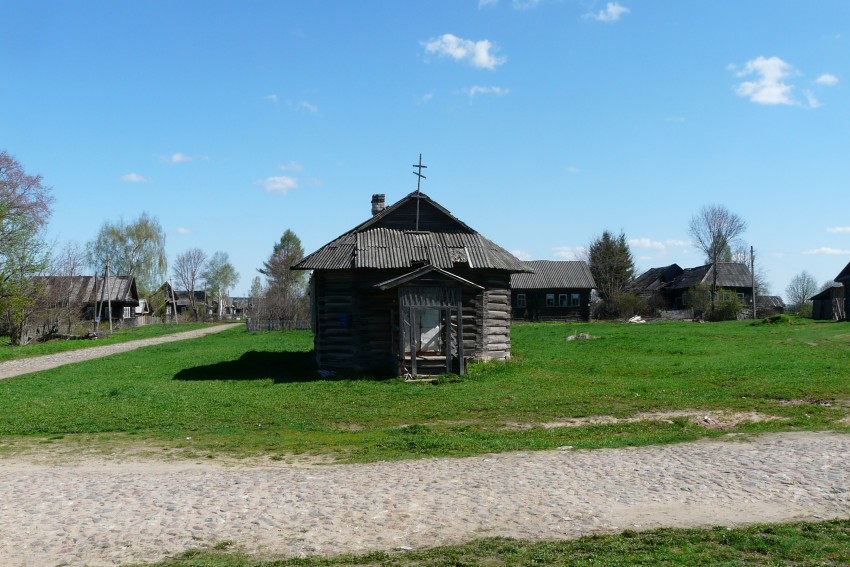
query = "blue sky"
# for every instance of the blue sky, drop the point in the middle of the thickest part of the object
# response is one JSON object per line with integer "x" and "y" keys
{"x": 542, "y": 123}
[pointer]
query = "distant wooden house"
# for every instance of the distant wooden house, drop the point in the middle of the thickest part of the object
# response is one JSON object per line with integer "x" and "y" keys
{"x": 768, "y": 305}
{"x": 92, "y": 296}
{"x": 411, "y": 290}
{"x": 180, "y": 301}
{"x": 670, "y": 287}
{"x": 553, "y": 290}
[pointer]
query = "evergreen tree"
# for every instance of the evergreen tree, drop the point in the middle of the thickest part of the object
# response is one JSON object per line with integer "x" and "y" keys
{"x": 612, "y": 267}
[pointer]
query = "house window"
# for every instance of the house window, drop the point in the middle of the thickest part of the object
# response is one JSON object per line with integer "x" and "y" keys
{"x": 741, "y": 296}
{"x": 563, "y": 300}
{"x": 128, "y": 312}
{"x": 550, "y": 300}
{"x": 575, "y": 299}
{"x": 520, "y": 300}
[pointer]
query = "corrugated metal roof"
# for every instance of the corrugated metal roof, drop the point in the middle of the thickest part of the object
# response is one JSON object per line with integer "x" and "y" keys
{"x": 442, "y": 241}
{"x": 81, "y": 289}
{"x": 554, "y": 274}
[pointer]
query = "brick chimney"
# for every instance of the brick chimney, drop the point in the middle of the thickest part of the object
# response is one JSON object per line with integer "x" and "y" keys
{"x": 378, "y": 203}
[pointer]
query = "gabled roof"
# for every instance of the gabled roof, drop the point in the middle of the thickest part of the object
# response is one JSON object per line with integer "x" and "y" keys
{"x": 655, "y": 279}
{"x": 390, "y": 239}
{"x": 774, "y": 301}
{"x": 729, "y": 274}
{"x": 423, "y": 271}
{"x": 829, "y": 293}
{"x": 88, "y": 289}
{"x": 554, "y": 274}
{"x": 844, "y": 276}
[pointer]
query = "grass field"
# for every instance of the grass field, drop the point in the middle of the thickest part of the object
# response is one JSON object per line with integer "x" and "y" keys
{"x": 800, "y": 544}
{"x": 258, "y": 395}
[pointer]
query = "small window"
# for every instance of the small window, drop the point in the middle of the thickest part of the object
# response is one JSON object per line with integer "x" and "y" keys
{"x": 741, "y": 296}
{"x": 128, "y": 312}
{"x": 550, "y": 300}
{"x": 575, "y": 299}
{"x": 563, "y": 300}
{"x": 520, "y": 300}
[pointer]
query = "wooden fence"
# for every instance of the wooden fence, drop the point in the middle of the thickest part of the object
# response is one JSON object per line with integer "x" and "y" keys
{"x": 261, "y": 325}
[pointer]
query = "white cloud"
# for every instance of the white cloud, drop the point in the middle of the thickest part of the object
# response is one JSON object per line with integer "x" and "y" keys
{"x": 291, "y": 166}
{"x": 811, "y": 99}
{"x": 675, "y": 242}
{"x": 279, "y": 184}
{"x": 827, "y": 79}
{"x": 521, "y": 254}
{"x": 769, "y": 86}
{"x": 183, "y": 231}
{"x": 134, "y": 178}
{"x": 826, "y": 251}
{"x": 570, "y": 252}
{"x": 304, "y": 105}
{"x": 839, "y": 229}
{"x": 525, "y": 4}
{"x": 573, "y": 169}
{"x": 427, "y": 97}
{"x": 177, "y": 158}
{"x": 647, "y": 243}
{"x": 487, "y": 3}
{"x": 612, "y": 12}
{"x": 477, "y": 53}
{"x": 477, "y": 90}
{"x": 271, "y": 98}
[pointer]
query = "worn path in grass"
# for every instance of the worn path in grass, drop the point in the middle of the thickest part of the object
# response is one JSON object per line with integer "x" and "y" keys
{"x": 20, "y": 366}
{"x": 107, "y": 513}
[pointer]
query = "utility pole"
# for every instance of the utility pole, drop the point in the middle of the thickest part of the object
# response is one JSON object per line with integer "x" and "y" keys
{"x": 753, "y": 275}
{"x": 108, "y": 295}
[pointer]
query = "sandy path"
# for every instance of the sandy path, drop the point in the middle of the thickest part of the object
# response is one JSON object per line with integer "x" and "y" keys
{"x": 102, "y": 513}
{"x": 37, "y": 363}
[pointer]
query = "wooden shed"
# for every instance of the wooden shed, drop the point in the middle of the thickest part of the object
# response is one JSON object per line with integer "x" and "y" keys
{"x": 843, "y": 278}
{"x": 412, "y": 290}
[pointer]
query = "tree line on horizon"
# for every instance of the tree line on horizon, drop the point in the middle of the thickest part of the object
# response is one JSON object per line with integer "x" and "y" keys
{"x": 135, "y": 249}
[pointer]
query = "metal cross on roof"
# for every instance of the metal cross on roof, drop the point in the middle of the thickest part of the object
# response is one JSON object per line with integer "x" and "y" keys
{"x": 418, "y": 174}
{"x": 419, "y": 179}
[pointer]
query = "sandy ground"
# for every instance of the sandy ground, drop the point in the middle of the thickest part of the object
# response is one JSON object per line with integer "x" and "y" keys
{"x": 105, "y": 512}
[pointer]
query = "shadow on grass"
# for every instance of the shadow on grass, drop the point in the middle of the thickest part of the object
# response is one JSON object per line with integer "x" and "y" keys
{"x": 281, "y": 367}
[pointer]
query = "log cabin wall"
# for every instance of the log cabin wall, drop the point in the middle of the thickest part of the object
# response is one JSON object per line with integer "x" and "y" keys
{"x": 356, "y": 324}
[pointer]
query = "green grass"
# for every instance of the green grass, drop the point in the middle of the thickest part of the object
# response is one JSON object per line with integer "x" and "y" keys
{"x": 802, "y": 544}
{"x": 8, "y": 352}
{"x": 257, "y": 394}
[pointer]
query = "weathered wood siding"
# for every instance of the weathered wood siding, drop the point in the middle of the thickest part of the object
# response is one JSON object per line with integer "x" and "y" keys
{"x": 356, "y": 324}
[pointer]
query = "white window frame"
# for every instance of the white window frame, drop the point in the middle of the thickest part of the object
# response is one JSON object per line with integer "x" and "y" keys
{"x": 550, "y": 300}
{"x": 575, "y": 300}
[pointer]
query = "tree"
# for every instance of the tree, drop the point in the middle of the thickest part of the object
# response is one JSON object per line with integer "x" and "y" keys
{"x": 286, "y": 290}
{"x": 715, "y": 231}
{"x": 798, "y": 292}
{"x": 220, "y": 276}
{"x": 66, "y": 265}
{"x": 136, "y": 250}
{"x": 24, "y": 212}
{"x": 187, "y": 270}
{"x": 612, "y": 267}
